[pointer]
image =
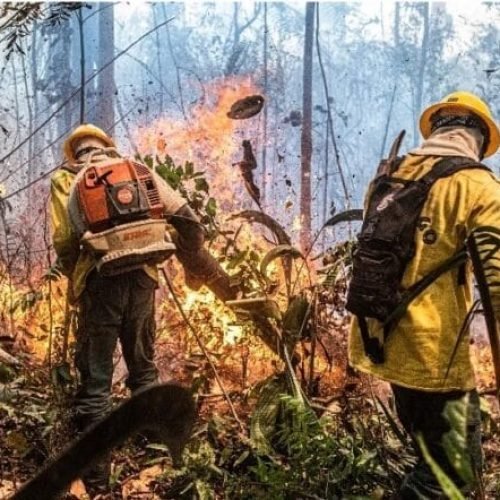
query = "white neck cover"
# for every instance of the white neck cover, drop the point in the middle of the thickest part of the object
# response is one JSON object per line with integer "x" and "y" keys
{"x": 452, "y": 141}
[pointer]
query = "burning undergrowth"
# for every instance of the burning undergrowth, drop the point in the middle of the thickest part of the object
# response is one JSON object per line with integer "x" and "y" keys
{"x": 200, "y": 157}
{"x": 281, "y": 413}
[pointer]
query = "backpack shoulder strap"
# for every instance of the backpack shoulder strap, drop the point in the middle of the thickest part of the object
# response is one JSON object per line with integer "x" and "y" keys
{"x": 448, "y": 166}
{"x": 72, "y": 169}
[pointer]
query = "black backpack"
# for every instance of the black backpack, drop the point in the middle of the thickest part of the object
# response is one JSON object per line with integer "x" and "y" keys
{"x": 386, "y": 243}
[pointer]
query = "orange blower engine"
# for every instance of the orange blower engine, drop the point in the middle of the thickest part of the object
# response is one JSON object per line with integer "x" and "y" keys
{"x": 116, "y": 210}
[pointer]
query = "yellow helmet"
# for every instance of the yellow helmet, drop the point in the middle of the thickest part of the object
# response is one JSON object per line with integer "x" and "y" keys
{"x": 464, "y": 102}
{"x": 84, "y": 130}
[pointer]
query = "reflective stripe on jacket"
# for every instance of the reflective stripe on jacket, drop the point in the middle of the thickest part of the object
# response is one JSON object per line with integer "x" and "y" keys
{"x": 419, "y": 349}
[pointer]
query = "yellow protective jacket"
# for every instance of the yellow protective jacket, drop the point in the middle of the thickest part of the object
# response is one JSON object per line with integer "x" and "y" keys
{"x": 419, "y": 349}
{"x": 75, "y": 262}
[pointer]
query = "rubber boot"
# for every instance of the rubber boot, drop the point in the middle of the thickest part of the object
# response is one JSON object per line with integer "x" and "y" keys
{"x": 96, "y": 477}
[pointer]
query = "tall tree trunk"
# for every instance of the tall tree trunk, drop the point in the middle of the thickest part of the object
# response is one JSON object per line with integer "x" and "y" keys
{"x": 238, "y": 50}
{"x": 175, "y": 64}
{"x": 106, "y": 79}
{"x": 159, "y": 52}
{"x": 329, "y": 113}
{"x": 397, "y": 20}
{"x": 326, "y": 179}
{"x": 264, "y": 124}
{"x": 34, "y": 73}
{"x": 90, "y": 58}
{"x": 306, "y": 138}
{"x": 62, "y": 74}
{"x": 81, "y": 34}
{"x": 419, "y": 93}
{"x": 437, "y": 29}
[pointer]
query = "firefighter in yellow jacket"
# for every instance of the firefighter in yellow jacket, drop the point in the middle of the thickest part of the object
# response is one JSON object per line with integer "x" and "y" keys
{"x": 119, "y": 307}
{"x": 418, "y": 352}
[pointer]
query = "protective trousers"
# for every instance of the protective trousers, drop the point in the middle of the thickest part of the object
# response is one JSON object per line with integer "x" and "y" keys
{"x": 112, "y": 308}
{"x": 422, "y": 413}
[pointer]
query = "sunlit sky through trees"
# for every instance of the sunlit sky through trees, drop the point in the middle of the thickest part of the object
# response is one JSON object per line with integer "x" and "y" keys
{"x": 383, "y": 63}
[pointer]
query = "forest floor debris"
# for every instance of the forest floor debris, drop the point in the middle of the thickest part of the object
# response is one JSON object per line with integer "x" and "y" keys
{"x": 360, "y": 450}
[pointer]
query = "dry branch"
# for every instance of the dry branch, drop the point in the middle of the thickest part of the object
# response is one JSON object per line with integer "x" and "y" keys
{"x": 8, "y": 359}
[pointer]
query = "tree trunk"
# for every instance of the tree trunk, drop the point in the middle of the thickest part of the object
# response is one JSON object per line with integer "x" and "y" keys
{"x": 329, "y": 114}
{"x": 306, "y": 138}
{"x": 419, "y": 94}
{"x": 397, "y": 20}
{"x": 264, "y": 124}
{"x": 239, "y": 50}
{"x": 90, "y": 59}
{"x": 81, "y": 34}
{"x": 159, "y": 53}
{"x": 175, "y": 64}
{"x": 62, "y": 74}
{"x": 326, "y": 178}
{"x": 106, "y": 79}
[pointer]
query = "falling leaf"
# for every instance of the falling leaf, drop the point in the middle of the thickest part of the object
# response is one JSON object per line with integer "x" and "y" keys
{"x": 246, "y": 108}
{"x": 247, "y": 165}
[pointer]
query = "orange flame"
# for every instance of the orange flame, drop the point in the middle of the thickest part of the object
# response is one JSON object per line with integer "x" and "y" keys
{"x": 207, "y": 137}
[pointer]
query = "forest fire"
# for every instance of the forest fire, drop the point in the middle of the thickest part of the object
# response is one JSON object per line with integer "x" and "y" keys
{"x": 212, "y": 141}
{"x": 207, "y": 292}
{"x": 207, "y": 137}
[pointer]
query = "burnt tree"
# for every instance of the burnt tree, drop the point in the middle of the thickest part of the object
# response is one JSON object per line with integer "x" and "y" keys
{"x": 106, "y": 79}
{"x": 306, "y": 137}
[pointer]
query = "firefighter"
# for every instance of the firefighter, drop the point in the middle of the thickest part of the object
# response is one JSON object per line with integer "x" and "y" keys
{"x": 418, "y": 351}
{"x": 120, "y": 307}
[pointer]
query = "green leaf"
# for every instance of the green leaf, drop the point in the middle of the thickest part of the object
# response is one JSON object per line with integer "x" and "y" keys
{"x": 6, "y": 374}
{"x": 294, "y": 319}
{"x": 447, "y": 485}
{"x": 392, "y": 423}
{"x": 148, "y": 160}
{"x": 241, "y": 458}
{"x": 279, "y": 251}
{"x": 455, "y": 441}
{"x": 204, "y": 490}
{"x": 200, "y": 184}
{"x": 237, "y": 259}
{"x": 53, "y": 273}
{"x": 172, "y": 177}
{"x": 211, "y": 207}
{"x": 264, "y": 417}
{"x": 115, "y": 475}
{"x": 189, "y": 169}
{"x": 366, "y": 458}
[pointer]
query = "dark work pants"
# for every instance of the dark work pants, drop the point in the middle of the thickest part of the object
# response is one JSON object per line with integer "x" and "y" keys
{"x": 422, "y": 413}
{"x": 112, "y": 308}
